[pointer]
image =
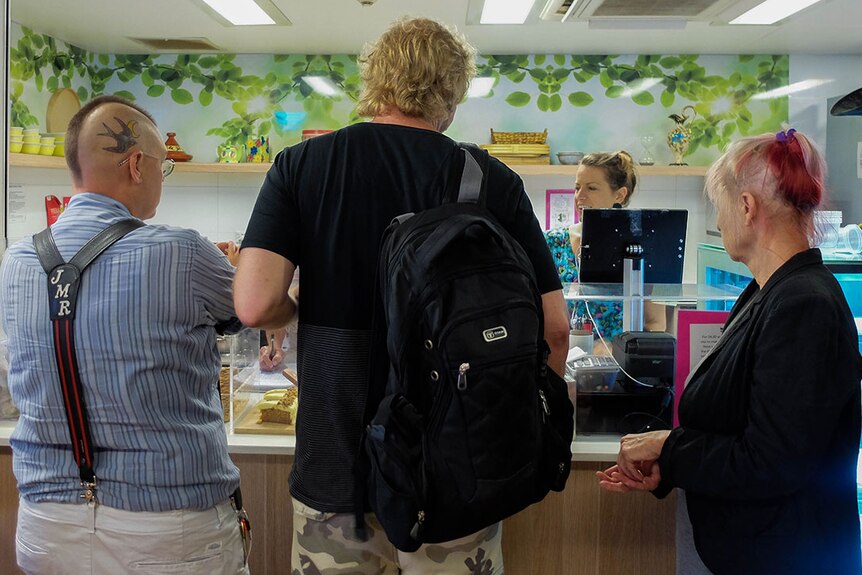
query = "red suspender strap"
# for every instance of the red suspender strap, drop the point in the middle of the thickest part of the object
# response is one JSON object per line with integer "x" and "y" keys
{"x": 64, "y": 279}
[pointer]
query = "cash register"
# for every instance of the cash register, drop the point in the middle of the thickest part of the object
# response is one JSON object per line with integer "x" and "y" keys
{"x": 632, "y": 391}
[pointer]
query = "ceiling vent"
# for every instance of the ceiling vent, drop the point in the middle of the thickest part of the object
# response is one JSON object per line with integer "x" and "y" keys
{"x": 177, "y": 44}
{"x": 652, "y": 8}
{"x": 558, "y": 10}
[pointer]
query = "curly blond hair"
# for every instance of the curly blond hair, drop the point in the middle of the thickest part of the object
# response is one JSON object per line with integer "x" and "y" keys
{"x": 419, "y": 66}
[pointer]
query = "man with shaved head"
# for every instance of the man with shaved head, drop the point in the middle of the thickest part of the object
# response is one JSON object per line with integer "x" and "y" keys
{"x": 147, "y": 314}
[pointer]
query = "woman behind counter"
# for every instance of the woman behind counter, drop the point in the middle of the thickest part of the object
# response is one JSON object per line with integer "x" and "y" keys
{"x": 603, "y": 180}
{"x": 768, "y": 441}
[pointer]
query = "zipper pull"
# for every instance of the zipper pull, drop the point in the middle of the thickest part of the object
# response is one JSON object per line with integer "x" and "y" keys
{"x": 462, "y": 376}
{"x": 546, "y": 410}
{"x": 416, "y": 532}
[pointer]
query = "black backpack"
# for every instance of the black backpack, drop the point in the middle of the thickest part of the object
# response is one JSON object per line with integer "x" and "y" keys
{"x": 473, "y": 426}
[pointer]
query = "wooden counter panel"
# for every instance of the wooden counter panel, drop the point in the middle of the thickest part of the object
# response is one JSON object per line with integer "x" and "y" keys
{"x": 558, "y": 535}
{"x": 8, "y": 514}
{"x": 581, "y": 531}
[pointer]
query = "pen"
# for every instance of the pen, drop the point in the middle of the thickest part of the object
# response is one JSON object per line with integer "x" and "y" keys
{"x": 271, "y": 346}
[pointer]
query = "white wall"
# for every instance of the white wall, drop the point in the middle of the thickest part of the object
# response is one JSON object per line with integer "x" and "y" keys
{"x": 219, "y": 205}
{"x": 809, "y": 109}
{"x": 836, "y": 136}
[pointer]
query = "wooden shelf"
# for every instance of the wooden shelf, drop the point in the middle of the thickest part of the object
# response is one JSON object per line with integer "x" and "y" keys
{"x": 558, "y": 170}
{"x": 56, "y": 162}
{"x": 36, "y": 161}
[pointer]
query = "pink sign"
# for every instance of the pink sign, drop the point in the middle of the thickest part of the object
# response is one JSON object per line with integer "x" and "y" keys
{"x": 697, "y": 332}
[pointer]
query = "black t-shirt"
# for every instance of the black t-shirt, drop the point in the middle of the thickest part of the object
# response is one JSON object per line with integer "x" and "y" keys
{"x": 324, "y": 206}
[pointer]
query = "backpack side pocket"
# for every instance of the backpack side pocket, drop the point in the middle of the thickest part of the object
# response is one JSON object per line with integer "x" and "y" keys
{"x": 558, "y": 427}
{"x": 393, "y": 446}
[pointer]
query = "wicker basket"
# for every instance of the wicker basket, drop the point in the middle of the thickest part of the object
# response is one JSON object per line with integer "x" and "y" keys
{"x": 518, "y": 137}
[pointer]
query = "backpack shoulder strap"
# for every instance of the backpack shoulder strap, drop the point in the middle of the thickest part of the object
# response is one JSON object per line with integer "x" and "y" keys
{"x": 468, "y": 178}
{"x": 474, "y": 178}
{"x": 63, "y": 282}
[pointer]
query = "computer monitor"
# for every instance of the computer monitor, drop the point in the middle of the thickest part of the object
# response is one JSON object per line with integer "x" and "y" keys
{"x": 607, "y": 232}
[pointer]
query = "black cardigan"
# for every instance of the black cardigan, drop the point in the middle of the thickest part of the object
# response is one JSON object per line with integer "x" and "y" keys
{"x": 769, "y": 431}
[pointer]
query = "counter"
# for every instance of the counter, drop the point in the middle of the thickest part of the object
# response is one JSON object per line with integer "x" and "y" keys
{"x": 581, "y": 530}
{"x": 584, "y": 448}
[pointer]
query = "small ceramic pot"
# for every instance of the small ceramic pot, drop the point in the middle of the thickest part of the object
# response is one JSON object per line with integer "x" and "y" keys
{"x": 229, "y": 154}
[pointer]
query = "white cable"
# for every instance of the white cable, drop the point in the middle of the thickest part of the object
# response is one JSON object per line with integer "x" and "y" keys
{"x": 599, "y": 332}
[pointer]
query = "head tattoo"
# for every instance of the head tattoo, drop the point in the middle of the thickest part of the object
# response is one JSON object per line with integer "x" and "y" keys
{"x": 125, "y": 138}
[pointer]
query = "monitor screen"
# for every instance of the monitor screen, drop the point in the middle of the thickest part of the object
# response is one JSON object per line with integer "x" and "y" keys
{"x": 607, "y": 232}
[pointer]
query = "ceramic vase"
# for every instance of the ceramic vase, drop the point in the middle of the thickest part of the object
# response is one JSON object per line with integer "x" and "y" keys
{"x": 258, "y": 150}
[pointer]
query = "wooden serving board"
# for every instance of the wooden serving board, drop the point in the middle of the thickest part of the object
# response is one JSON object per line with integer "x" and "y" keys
{"x": 247, "y": 423}
{"x": 61, "y": 107}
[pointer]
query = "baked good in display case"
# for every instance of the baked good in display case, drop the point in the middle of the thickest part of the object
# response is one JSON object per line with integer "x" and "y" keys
{"x": 278, "y": 406}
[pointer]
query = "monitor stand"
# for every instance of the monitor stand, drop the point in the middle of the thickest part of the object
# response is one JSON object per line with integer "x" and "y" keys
{"x": 633, "y": 291}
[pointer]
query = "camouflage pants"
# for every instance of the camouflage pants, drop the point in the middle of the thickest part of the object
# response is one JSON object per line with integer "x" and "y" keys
{"x": 325, "y": 544}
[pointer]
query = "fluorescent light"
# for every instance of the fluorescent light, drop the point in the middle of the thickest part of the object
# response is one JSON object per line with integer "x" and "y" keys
{"x": 321, "y": 85}
{"x": 771, "y": 11}
{"x": 639, "y": 86}
{"x": 790, "y": 89}
{"x": 505, "y": 11}
{"x": 241, "y": 12}
{"x": 480, "y": 87}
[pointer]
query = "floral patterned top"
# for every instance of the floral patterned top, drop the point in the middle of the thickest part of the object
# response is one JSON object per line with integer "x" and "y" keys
{"x": 608, "y": 315}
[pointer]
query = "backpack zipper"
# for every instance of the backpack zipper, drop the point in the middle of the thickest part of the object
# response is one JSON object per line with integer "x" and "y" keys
{"x": 462, "y": 376}
{"x": 546, "y": 410}
{"x": 418, "y": 527}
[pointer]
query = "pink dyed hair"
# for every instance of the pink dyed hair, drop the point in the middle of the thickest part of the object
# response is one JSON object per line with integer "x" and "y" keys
{"x": 786, "y": 169}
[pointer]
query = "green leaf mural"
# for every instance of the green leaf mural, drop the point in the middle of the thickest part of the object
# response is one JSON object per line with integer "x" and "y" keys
{"x": 237, "y": 97}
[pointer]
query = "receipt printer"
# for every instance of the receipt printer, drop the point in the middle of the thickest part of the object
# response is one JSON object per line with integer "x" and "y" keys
{"x": 646, "y": 355}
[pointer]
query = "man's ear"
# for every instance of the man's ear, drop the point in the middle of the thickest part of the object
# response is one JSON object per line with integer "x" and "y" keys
{"x": 134, "y": 166}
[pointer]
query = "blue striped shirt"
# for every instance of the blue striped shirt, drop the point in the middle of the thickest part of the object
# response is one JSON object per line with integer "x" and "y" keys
{"x": 148, "y": 361}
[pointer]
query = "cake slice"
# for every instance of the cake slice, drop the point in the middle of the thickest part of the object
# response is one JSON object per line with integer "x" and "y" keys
{"x": 279, "y": 408}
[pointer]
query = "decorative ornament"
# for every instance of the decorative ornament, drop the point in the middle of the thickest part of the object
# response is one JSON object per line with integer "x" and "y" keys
{"x": 175, "y": 152}
{"x": 679, "y": 138}
{"x": 258, "y": 150}
{"x": 229, "y": 154}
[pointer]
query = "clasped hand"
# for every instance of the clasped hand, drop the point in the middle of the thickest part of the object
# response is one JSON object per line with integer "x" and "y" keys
{"x": 637, "y": 466}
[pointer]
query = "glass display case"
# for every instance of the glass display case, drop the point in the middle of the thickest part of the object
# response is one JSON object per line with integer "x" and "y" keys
{"x": 626, "y": 385}
{"x": 716, "y": 270}
{"x": 257, "y": 401}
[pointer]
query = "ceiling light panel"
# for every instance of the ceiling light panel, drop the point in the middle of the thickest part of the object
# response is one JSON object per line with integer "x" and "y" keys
{"x": 506, "y": 11}
{"x": 771, "y": 11}
{"x": 241, "y": 12}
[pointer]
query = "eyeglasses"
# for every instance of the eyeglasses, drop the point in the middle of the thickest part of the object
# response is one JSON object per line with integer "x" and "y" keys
{"x": 167, "y": 165}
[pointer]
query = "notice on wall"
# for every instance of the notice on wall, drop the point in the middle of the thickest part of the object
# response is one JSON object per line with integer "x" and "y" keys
{"x": 697, "y": 333}
{"x": 16, "y": 204}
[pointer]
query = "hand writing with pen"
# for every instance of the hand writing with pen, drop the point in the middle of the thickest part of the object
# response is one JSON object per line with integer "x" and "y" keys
{"x": 637, "y": 466}
{"x": 271, "y": 356}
